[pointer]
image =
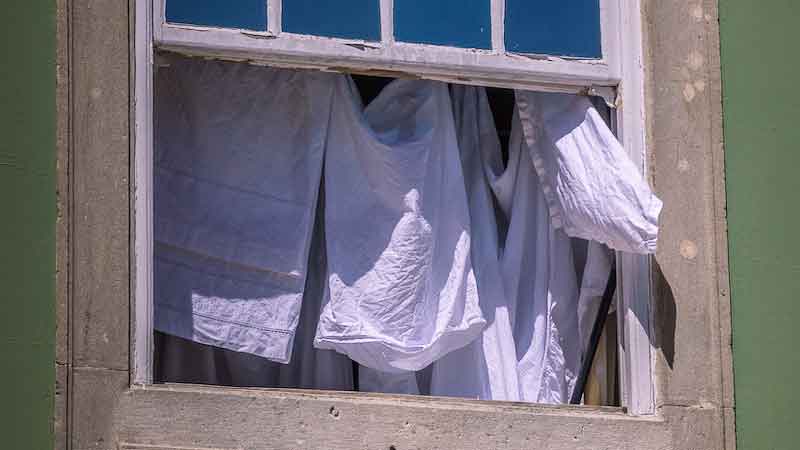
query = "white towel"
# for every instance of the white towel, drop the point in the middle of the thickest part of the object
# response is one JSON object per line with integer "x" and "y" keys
{"x": 238, "y": 161}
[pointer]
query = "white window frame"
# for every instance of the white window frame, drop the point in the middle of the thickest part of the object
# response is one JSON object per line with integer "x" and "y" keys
{"x": 618, "y": 76}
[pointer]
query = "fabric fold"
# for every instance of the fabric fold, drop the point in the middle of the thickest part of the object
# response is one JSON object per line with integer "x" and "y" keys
{"x": 487, "y": 368}
{"x": 593, "y": 189}
{"x": 540, "y": 280}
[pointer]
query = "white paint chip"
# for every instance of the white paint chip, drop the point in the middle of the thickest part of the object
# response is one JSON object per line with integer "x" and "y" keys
{"x": 696, "y": 60}
{"x": 688, "y": 249}
{"x": 697, "y": 12}
{"x": 688, "y": 92}
{"x": 700, "y": 85}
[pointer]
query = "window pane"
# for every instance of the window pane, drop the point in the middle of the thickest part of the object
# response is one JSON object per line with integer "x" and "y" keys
{"x": 565, "y": 27}
{"x": 248, "y": 14}
{"x": 349, "y": 19}
{"x": 458, "y": 23}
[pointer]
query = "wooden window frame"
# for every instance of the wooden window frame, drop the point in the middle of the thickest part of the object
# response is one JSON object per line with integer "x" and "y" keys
{"x": 102, "y": 402}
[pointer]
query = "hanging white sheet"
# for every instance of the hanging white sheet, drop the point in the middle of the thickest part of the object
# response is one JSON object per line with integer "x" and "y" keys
{"x": 487, "y": 368}
{"x": 539, "y": 277}
{"x": 184, "y": 361}
{"x": 238, "y": 159}
{"x": 401, "y": 287}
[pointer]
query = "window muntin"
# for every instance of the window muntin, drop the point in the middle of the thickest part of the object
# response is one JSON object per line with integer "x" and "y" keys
{"x": 568, "y": 28}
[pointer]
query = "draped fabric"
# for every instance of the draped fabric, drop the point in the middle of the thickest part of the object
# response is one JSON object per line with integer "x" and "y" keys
{"x": 439, "y": 262}
{"x": 237, "y": 167}
{"x": 401, "y": 285}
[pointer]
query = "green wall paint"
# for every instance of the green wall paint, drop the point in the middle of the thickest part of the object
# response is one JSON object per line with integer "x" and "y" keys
{"x": 761, "y": 101}
{"x": 27, "y": 223}
{"x": 761, "y": 94}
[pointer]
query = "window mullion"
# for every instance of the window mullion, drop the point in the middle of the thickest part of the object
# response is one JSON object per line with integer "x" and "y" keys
{"x": 274, "y": 14}
{"x": 387, "y": 22}
{"x": 498, "y": 26}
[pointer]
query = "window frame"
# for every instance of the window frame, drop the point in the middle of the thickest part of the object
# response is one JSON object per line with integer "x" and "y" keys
{"x": 433, "y": 62}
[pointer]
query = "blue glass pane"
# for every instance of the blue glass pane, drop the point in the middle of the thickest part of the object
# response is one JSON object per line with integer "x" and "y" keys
{"x": 247, "y": 14}
{"x": 564, "y": 27}
{"x": 457, "y": 23}
{"x": 349, "y": 19}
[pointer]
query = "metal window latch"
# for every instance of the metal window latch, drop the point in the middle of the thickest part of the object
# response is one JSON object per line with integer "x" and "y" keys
{"x": 607, "y": 93}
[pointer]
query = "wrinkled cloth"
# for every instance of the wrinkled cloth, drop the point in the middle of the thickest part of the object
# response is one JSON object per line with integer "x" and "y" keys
{"x": 540, "y": 280}
{"x": 238, "y": 161}
{"x": 401, "y": 287}
{"x": 592, "y": 188}
{"x": 539, "y": 321}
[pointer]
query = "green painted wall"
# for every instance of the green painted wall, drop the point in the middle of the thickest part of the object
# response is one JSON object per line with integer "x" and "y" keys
{"x": 761, "y": 94}
{"x": 761, "y": 103}
{"x": 27, "y": 223}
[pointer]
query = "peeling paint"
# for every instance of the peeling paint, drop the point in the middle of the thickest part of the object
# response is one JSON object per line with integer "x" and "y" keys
{"x": 697, "y": 12}
{"x": 258, "y": 35}
{"x": 688, "y": 92}
{"x": 362, "y": 47}
{"x": 688, "y": 249}
{"x": 700, "y": 85}
{"x": 696, "y": 60}
{"x": 683, "y": 165}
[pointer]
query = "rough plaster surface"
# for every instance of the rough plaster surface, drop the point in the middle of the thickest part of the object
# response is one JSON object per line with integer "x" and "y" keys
{"x": 100, "y": 175}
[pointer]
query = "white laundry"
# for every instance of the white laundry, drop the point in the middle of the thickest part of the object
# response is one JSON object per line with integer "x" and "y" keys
{"x": 487, "y": 368}
{"x": 540, "y": 281}
{"x": 401, "y": 290}
{"x": 538, "y": 324}
{"x": 593, "y": 189}
{"x": 181, "y": 361}
{"x": 238, "y": 160}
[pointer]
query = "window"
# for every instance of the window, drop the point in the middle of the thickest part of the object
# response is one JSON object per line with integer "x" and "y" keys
{"x": 487, "y": 44}
{"x": 104, "y": 397}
